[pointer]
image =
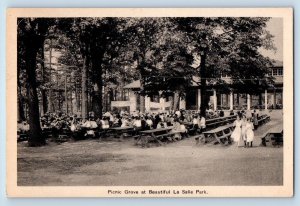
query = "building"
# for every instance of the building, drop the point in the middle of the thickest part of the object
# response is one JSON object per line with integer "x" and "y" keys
{"x": 271, "y": 98}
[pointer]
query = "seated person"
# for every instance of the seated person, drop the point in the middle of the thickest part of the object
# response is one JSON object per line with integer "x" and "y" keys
{"x": 86, "y": 124}
{"x": 93, "y": 124}
{"x": 104, "y": 123}
{"x": 137, "y": 123}
{"x": 202, "y": 123}
{"x": 183, "y": 130}
{"x": 176, "y": 129}
{"x": 25, "y": 127}
{"x": 195, "y": 122}
{"x": 125, "y": 122}
{"x": 149, "y": 123}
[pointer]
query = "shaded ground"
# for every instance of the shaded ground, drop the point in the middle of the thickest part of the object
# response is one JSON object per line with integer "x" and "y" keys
{"x": 112, "y": 163}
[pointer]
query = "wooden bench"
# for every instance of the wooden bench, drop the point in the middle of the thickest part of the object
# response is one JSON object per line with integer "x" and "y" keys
{"x": 22, "y": 136}
{"x": 156, "y": 135}
{"x": 273, "y": 137}
{"x": 64, "y": 135}
{"x": 220, "y": 121}
{"x": 263, "y": 119}
{"x": 219, "y": 135}
{"x": 119, "y": 132}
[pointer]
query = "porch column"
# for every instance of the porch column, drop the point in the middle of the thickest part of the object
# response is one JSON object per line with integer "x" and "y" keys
{"x": 274, "y": 99}
{"x": 231, "y": 101}
{"x": 182, "y": 103}
{"x": 266, "y": 99}
{"x": 248, "y": 102}
{"x": 132, "y": 101}
{"x": 147, "y": 103}
{"x": 215, "y": 100}
{"x": 162, "y": 103}
{"x": 199, "y": 99}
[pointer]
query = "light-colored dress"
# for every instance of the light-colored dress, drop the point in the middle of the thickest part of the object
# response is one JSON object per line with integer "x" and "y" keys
{"x": 243, "y": 130}
{"x": 249, "y": 131}
{"x": 237, "y": 132}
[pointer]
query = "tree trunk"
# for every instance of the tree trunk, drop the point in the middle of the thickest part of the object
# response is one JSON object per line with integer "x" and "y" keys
{"x": 21, "y": 114}
{"x": 77, "y": 99}
{"x": 35, "y": 132}
{"x": 97, "y": 99}
{"x": 142, "y": 96}
{"x": 66, "y": 96}
{"x": 171, "y": 103}
{"x": 50, "y": 102}
{"x": 20, "y": 103}
{"x": 43, "y": 90}
{"x": 84, "y": 97}
{"x": 204, "y": 99}
{"x": 176, "y": 101}
{"x": 260, "y": 99}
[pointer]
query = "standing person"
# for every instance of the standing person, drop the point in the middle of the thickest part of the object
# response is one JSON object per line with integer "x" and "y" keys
{"x": 249, "y": 132}
{"x": 237, "y": 132}
{"x": 243, "y": 131}
{"x": 202, "y": 124}
{"x": 255, "y": 120}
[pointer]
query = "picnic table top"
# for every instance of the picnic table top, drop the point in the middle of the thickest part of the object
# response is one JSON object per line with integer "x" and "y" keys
{"x": 220, "y": 118}
{"x": 187, "y": 123}
{"x": 277, "y": 129}
{"x": 218, "y": 129}
{"x": 150, "y": 131}
{"x": 44, "y": 128}
{"x": 122, "y": 128}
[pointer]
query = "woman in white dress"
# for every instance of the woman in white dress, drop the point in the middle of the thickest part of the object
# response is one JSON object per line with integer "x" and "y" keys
{"x": 237, "y": 132}
{"x": 243, "y": 130}
{"x": 249, "y": 132}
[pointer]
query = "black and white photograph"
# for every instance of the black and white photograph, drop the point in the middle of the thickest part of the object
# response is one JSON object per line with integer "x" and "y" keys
{"x": 152, "y": 101}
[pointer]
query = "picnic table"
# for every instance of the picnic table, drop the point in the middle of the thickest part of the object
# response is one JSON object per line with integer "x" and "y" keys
{"x": 263, "y": 119}
{"x": 220, "y": 134}
{"x": 22, "y": 136}
{"x": 157, "y": 135}
{"x": 120, "y": 131}
{"x": 220, "y": 121}
{"x": 273, "y": 137}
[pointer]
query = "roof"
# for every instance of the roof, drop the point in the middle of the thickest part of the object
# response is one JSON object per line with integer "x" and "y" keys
{"x": 277, "y": 63}
{"x": 133, "y": 85}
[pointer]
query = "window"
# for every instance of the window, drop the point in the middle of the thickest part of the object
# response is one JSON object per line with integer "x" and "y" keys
{"x": 278, "y": 72}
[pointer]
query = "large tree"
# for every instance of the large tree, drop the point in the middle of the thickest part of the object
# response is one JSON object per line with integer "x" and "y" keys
{"x": 31, "y": 36}
{"x": 226, "y": 45}
{"x": 144, "y": 36}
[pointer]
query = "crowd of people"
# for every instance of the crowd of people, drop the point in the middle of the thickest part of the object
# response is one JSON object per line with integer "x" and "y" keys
{"x": 182, "y": 121}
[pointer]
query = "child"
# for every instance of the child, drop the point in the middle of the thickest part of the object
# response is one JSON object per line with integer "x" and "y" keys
{"x": 249, "y": 132}
{"x": 244, "y": 129}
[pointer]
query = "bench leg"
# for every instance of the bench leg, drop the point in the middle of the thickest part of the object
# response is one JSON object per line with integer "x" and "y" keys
{"x": 157, "y": 140}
